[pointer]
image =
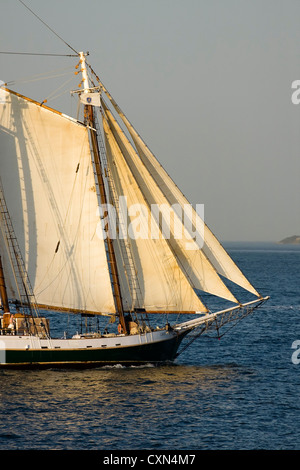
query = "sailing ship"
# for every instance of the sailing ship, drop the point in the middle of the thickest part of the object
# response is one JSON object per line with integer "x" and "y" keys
{"x": 84, "y": 206}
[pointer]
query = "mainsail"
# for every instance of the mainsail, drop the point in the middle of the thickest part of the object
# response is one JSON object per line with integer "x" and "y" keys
{"x": 49, "y": 184}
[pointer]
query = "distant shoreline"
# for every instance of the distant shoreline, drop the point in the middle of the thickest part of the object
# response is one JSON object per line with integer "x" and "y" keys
{"x": 294, "y": 240}
{"x": 229, "y": 243}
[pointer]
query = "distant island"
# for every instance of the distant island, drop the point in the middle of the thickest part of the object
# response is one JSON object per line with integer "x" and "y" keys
{"x": 294, "y": 240}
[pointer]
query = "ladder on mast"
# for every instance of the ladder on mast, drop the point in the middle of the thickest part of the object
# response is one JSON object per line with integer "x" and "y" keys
{"x": 124, "y": 244}
{"x": 25, "y": 291}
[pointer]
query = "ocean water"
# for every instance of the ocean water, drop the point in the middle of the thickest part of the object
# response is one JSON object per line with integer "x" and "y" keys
{"x": 239, "y": 392}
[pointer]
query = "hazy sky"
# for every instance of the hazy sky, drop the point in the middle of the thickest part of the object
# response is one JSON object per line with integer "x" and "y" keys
{"x": 207, "y": 83}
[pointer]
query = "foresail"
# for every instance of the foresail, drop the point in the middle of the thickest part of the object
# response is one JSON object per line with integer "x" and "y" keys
{"x": 194, "y": 264}
{"x": 49, "y": 185}
{"x": 150, "y": 276}
{"x": 210, "y": 245}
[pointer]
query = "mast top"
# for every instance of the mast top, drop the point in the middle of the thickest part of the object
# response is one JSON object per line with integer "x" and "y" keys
{"x": 85, "y": 79}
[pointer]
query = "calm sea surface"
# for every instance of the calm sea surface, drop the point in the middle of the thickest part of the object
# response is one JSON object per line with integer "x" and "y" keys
{"x": 237, "y": 392}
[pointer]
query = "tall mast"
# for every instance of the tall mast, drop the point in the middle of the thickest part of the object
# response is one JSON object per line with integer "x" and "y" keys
{"x": 110, "y": 248}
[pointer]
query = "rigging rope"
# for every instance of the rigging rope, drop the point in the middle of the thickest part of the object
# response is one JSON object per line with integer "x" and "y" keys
{"x": 41, "y": 76}
{"x": 38, "y": 53}
{"x": 77, "y": 53}
{"x": 53, "y": 96}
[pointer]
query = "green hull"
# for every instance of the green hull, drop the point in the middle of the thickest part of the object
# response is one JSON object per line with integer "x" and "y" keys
{"x": 152, "y": 352}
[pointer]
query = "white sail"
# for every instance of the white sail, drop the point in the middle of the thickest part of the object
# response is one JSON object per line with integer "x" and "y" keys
{"x": 151, "y": 274}
{"x": 193, "y": 262}
{"x": 211, "y": 247}
{"x": 49, "y": 186}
